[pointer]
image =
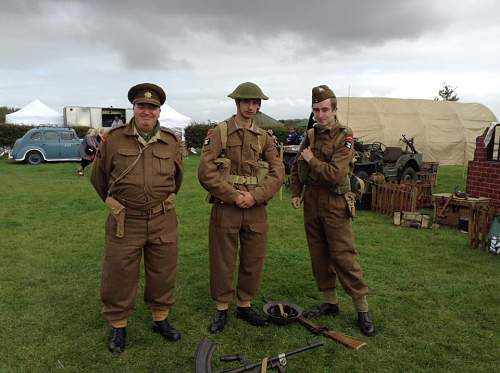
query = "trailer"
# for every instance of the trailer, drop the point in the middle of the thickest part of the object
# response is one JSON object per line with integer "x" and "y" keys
{"x": 94, "y": 117}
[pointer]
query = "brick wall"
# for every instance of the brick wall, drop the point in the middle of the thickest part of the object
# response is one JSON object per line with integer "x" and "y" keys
{"x": 483, "y": 176}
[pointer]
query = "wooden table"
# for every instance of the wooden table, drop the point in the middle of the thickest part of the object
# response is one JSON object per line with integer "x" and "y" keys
{"x": 450, "y": 210}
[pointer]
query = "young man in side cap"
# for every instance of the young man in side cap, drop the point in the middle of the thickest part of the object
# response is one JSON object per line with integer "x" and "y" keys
{"x": 322, "y": 173}
{"x": 252, "y": 173}
{"x": 137, "y": 172}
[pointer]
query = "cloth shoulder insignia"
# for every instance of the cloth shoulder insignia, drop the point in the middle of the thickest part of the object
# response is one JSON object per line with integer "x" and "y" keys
{"x": 348, "y": 138}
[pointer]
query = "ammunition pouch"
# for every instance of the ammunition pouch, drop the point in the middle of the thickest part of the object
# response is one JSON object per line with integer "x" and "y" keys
{"x": 117, "y": 210}
{"x": 350, "y": 198}
{"x": 262, "y": 171}
{"x": 343, "y": 187}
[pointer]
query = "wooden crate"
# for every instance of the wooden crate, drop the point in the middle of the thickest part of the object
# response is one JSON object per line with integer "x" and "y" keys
{"x": 428, "y": 173}
{"x": 482, "y": 216}
{"x": 391, "y": 196}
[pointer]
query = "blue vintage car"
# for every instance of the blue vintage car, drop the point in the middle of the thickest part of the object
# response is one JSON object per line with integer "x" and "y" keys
{"x": 47, "y": 144}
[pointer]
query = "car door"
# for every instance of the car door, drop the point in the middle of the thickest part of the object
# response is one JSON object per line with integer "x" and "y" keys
{"x": 70, "y": 145}
{"x": 51, "y": 144}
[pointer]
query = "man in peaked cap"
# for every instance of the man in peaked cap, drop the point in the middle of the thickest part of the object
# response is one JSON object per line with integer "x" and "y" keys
{"x": 137, "y": 172}
{"x": 320, "y": 177}
{"x": 241, "y": 169}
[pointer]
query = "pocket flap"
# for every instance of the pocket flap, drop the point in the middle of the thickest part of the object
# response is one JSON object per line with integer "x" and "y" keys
{"x": 161, "y": 153}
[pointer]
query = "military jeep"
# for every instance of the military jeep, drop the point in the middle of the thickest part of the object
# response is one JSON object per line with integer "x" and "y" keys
{"x": 392, "y": 161}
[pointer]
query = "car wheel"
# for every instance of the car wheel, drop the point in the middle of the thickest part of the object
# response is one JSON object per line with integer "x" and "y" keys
{"x": 362, "y": 174}
{"x": 34, "y": 157}
{"x": 409, "y": 174}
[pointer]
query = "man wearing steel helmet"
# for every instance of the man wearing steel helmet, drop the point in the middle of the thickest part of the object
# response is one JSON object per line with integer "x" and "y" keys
{"x": 137, "y": 172}
{"x": 238, "y": 222}
{"x": 321, "y": 173}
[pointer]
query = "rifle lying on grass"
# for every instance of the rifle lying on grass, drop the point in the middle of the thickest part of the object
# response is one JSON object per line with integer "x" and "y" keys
{"x": 205, "y": 349}
{"x": 347, "y": 341}
{"x": 283, "y": 313}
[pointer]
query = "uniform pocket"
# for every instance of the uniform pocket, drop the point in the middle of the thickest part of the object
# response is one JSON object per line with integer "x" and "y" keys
{"x": 162, "y": 162}
{"x": 233, "y": 147}
{"x": 125, "y": 157}
{"x": 169, "y": 236}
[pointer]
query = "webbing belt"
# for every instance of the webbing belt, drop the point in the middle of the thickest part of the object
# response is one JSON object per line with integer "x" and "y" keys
{"x": 243, "y": 180}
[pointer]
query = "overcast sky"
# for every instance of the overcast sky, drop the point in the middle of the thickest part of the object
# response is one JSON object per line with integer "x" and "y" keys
{"x": 88, "y": 52}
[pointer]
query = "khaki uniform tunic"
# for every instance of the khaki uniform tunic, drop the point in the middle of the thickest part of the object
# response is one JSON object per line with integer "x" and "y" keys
{"x": 231, "y": 226}
{"x": 150, "y": 224}
{"x": 326, "y": 218}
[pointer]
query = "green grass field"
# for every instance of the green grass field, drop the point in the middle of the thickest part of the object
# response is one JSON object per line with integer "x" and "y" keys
{"x": 434, "y": 300}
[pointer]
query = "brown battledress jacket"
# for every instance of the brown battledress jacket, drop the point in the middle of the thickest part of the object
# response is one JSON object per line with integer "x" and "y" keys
{"x": 326, "y": 217}
{"x": 230, "y": 226}
{"x": 150, "y": 227}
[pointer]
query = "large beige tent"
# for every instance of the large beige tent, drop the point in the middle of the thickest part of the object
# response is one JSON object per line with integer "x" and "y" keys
{"x": 444, "y": 131}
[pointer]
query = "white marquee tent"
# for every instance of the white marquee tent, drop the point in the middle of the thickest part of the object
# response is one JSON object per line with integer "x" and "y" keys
{"x": 443, "y": 131}
{"x": 35, "y": 113}
{"x": 174, "y": 120}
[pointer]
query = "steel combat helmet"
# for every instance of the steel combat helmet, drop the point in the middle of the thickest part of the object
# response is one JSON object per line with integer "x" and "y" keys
{"x": 247, "y": 91}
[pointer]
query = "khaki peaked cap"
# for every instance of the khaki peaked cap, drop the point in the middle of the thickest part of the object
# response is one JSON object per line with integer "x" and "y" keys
{"x": 146, "y": 93}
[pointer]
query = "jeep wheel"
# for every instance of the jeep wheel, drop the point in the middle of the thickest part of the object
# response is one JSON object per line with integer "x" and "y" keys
{"x": 362, "y": 174}
{"x": 409, "y": 174}
{"x": 34, "y": 157}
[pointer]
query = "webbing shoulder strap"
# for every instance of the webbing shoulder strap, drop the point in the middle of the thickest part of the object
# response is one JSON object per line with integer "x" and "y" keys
{"x": 310, "y": 135}
{"x": 223, "y": 136}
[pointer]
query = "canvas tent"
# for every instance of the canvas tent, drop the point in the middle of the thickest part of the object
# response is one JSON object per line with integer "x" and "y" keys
{"x": 35, "y": 113}
{"x": 444, "y": 131}
{"x": 174, "y": 120}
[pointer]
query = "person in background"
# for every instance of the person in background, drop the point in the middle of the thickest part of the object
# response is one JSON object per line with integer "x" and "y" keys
{"x": 88, "y": 149}
{"x": 117, "y": 122}
{"x": 293, "y": 137}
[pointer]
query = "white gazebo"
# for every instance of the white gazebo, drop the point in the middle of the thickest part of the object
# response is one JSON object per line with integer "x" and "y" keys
{"x": 35, "y": 113}
{"x": 174, "y": 120}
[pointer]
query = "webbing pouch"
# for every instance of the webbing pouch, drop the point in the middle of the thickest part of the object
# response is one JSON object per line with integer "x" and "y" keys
{"x": 117, "y": 210}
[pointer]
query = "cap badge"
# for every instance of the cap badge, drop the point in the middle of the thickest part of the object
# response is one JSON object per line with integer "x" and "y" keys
{"x": 148, "y": 95}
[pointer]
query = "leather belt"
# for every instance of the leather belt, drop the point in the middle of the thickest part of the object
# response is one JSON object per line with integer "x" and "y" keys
{"x": 146, "y": 213}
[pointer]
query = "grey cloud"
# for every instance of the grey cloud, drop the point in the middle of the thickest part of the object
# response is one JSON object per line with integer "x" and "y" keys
{"x": 140, "y": 33}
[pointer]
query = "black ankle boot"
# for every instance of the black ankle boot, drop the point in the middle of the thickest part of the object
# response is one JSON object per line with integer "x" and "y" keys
{"x": 166, "y": 330}
{"x": 218, "y": 322}
{"x": 250, "y": 316}
{"x": 117, "y": 340}
{"x": 365, "y": 324}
